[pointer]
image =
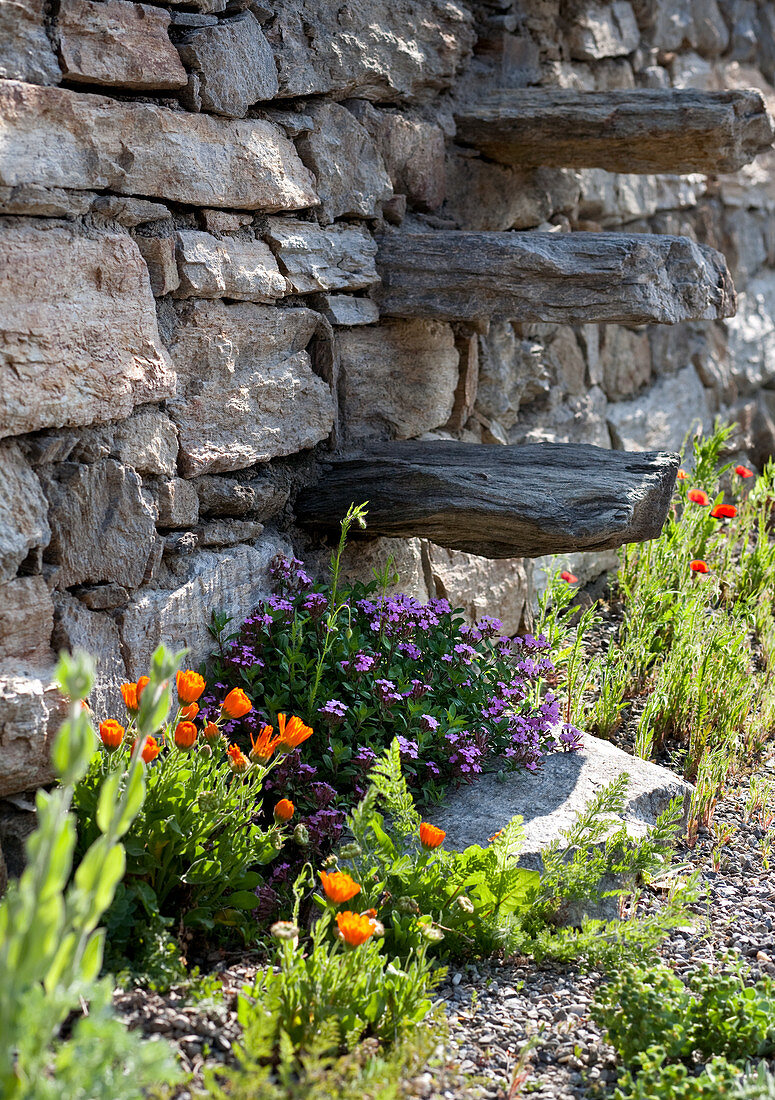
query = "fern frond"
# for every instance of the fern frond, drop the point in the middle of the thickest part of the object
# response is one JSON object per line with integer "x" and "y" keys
{"x": 388, "y": 781}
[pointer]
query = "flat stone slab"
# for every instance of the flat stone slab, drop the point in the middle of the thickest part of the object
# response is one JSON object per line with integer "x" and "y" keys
{"x": 550, "y": 799}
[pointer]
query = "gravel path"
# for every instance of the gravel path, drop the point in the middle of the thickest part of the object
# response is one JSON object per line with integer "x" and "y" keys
{"x": 496, "y": 1008}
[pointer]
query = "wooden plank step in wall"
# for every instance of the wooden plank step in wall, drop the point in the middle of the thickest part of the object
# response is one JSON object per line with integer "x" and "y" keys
{"x": 566, "y": 278}
{"x": 495, "y": 501}
{"x": 626, "y": 130}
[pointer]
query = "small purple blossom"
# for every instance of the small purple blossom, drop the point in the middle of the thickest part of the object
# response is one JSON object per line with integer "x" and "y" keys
{"x": 315, "y": 604}
{"x": 407, "y": 748}
{"x": 363, "y": 662}
{"x": 386, "y": 692}
{"x": 333, "y": 711}
{"x": 429, "y": 723}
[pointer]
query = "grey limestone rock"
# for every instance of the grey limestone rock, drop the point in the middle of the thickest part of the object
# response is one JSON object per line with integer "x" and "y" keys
{"x": 175, "y": 500}
{"x": 31, "y": 710}
{"x": 262, "y": 498}
{"x": 102, "y": 529}
{"x": 385, "y": 51}
{"x": 246, "y": 390}
{"x": 76, "y": 627}
{"x": 23, "y": 510}
{"x": 60, "y": 138}
{"x": 345, "y": 310}
{"x": 233, "y": 63}
{"x": 80, "y": 340}
{"x": 320, "y": 258}
{"x": 480, "y": 586}
{"x": 397, "y": 379}
{"x": 26, "y": 618}
{"x": 117, "y": 44}
{"x": 351, "y": 177}
{"x": 244, "y": 270}
{"x": 603, "y": 30}
{"x": 177, "y": 613}
{"x": 26, "y": 52}
{"x": 550, "y": 799}
{"x": 662, "y": 416}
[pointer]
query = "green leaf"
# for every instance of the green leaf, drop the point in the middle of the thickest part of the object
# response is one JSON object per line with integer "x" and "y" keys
{"x": 91, "y": 960}
{"x": 133, "y": 800}
{"x": 107, "y": 802}
{"x": 242, "y": 899}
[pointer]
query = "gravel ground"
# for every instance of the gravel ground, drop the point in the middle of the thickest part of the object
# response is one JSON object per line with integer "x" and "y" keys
{"x": 496, "y": 1008}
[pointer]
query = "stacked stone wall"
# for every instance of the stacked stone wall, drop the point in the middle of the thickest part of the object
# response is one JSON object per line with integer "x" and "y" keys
{"x": 190, "y": 195}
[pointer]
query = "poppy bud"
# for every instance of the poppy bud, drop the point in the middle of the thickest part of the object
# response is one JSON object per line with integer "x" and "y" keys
{"x": 285, "y": 930}
{"x": 284, "y": 810}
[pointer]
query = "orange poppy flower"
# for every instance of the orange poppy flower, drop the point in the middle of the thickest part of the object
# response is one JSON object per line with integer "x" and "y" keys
{"x": 354, "y": 928}
{"x": 293, "y": 733}
{"x": 338, "y": 886}
{"x": 190, "y": 686}
{"x": 697, "y": 496}
{"x": 569, "y": 578}
{"x": 211, "y": 732}
{"x": 129, "y": 695}
{"x": 743, "y": 471}
{"x": 151, "y": 749}
{"x": 430, "y": 836}
{"x": 284, "y": 810}
{"x": 111, "y": 734}
{"x": 185, "y": 735}
{"x": 236, "y": 704}
{"x": 724, "y": 511}
{"x": 263, "y": 745}
{"x": 698, "y": 566}
{"x": 238, "y": 762}
{"x": 681, "y": 475}
{"x": 190, "y": 712}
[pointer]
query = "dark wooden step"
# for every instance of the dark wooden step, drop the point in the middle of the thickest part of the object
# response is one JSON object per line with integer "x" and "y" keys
{"x": 630, "y": 130}
{"x": 569, "y": 278}
{"x": 499, "y": 502}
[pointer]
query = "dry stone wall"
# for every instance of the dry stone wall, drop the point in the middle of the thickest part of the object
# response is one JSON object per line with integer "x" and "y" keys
{"x": 191, "y": 194}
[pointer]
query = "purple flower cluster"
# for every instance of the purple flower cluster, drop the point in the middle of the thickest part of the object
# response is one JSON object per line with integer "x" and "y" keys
{"x": 333, "y": 712}
{"x": 455, "y": 696}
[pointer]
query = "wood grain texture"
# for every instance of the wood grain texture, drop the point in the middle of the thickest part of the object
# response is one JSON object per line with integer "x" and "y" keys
{"x": 626, "y": 130}
{"x": 568, "y": 278}
{"x": 498, "y": 502}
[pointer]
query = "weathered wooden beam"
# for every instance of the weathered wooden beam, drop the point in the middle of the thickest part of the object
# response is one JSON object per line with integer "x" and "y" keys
{"x": 629, "y": 130}
{"x": 569, "y": 278}
{"x": 498, "y": 502}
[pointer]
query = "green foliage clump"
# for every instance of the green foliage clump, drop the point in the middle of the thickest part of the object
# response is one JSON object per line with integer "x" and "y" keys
{"x": 681, "y": 1039}
{"x": 371, "y": 1071}
{"x": 50, "y": 945}
{"x": 686, "y": 637}
{"x": 193, "y": 849}
{"x": 479, "y": 901}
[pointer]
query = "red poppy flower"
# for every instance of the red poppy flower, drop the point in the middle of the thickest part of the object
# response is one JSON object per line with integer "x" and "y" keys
{"x": 698, "y": 566}
{"x": 681, "y": 475}
{"x": 697, "y": 496}
{"x": 743, "y": 471}
{"x": 724, "y": 511}
{"x": 569, "y": 578}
